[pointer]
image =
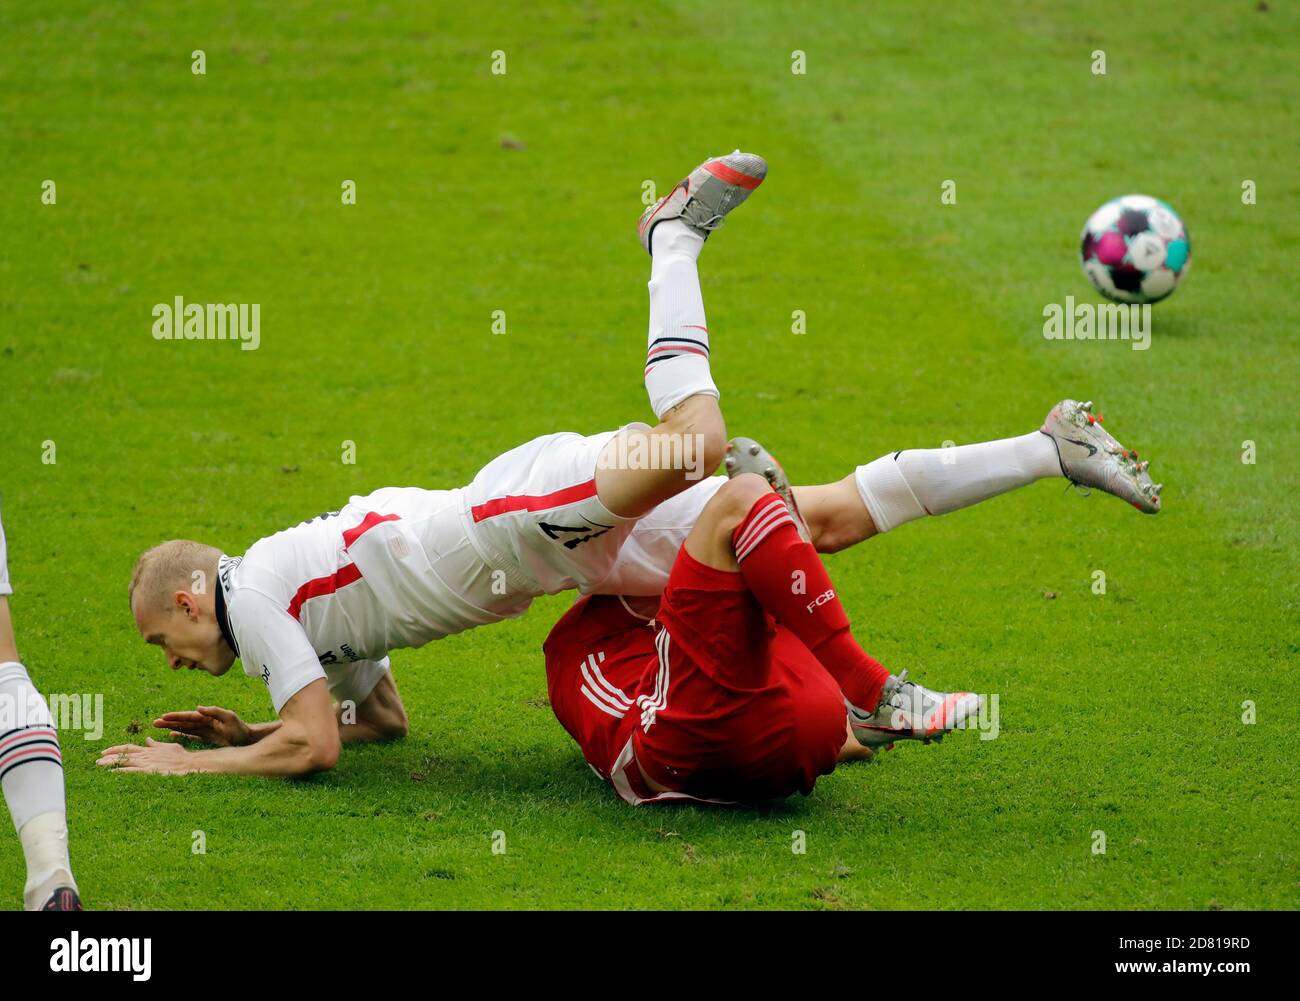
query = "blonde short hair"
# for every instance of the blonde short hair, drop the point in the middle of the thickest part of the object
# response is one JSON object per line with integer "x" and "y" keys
{"x": 168, "y": 567}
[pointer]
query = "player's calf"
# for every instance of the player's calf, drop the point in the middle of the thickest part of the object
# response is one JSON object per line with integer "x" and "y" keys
{"x": 784, "y": 573}
{"x": 787, "y": 576}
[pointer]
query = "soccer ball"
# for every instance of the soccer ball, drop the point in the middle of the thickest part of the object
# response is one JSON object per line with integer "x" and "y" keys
{"x": 1135, "y": 249}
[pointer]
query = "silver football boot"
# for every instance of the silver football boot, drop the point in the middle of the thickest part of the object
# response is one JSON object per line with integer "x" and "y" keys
{"x": 907, "y": 711}
{"x": 745, "y": 455}
{"x": 707, "y": 194}
{"x": 1091, "y": 457}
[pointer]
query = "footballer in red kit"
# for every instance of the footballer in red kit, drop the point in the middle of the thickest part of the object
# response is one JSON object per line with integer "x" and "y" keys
{"x": 746, "y": 683}
{"x": 712, "y": 701}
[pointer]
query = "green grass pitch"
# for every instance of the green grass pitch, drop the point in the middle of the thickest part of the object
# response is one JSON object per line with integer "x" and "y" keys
{"x": 476, "y": 192}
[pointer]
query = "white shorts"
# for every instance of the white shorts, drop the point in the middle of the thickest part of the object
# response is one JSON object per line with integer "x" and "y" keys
{"x": 533, "y": 516}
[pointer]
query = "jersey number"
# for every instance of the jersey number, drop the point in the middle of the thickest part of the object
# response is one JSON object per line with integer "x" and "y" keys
{"x": 553, "y": 532}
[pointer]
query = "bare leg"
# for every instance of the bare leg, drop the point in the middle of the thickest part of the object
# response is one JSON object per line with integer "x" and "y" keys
{"x": 710, "y": 539}
{"x": 852, "y": 750}
{"x": 8, "y": 646}
{"x": 678, "y": 380}
{"x": 835, "y": 515}
{"x": 641, "y": 469}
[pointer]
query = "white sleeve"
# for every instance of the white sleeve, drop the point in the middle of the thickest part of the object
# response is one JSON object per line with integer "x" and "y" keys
{"x": 272, "y": 645}
{"x": 355, "y": 681}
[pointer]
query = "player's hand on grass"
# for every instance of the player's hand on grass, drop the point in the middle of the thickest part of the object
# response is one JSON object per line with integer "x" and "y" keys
{"x": 153, "y": 756}
{"x": 208, "y": 725}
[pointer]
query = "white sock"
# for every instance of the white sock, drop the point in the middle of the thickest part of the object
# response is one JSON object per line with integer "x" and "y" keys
{"x": 910, "y": 484}
{"x": 45, "y": 845}
{"x": 31, "y": 774}
{"x": 677, "y": 357}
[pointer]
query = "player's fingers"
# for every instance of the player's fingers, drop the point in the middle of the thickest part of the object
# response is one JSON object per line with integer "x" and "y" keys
{"x": 115, "y": 760}
{"x": 178, "y": 724}
{"x": 186, "y": 715}
{"x": 216, "y": 712}
{"x": 118, "y": 749}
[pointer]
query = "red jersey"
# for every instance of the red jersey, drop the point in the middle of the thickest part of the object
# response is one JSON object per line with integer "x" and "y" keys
{"x": 713, "y": 700}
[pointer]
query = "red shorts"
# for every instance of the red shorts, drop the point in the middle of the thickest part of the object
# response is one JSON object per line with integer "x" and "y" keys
{"x": 717, "y": 702}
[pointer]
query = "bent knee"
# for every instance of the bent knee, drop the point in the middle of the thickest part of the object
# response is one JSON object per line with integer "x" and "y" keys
{"x": 713, "y": 446}
{"x": 737, "y": 496}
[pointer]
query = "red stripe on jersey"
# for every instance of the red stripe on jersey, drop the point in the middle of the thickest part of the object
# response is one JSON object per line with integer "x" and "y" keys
{"x": 541, "y": 502}
{"x": 367, "y": 523}
{"x": 732, "y": 176}
{"x": 321, "y": 586}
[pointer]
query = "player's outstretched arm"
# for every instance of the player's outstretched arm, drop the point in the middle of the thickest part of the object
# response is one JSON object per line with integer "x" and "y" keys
{"x": 380, "y": 716}
{"x": 306, "y": 741}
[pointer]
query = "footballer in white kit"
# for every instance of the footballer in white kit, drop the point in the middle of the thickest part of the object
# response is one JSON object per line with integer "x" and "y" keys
{"x": 314, "y": 610}
{"x": 403, "y": 566}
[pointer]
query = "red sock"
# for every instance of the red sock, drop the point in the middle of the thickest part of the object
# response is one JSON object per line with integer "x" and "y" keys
{"x": 787, "y": 577}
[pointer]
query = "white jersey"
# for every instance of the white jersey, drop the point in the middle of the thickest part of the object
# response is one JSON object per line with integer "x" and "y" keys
{"x": 403, "y": 566}
{"x": 330, "y": 597}
{"x": 534, "y": 517}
